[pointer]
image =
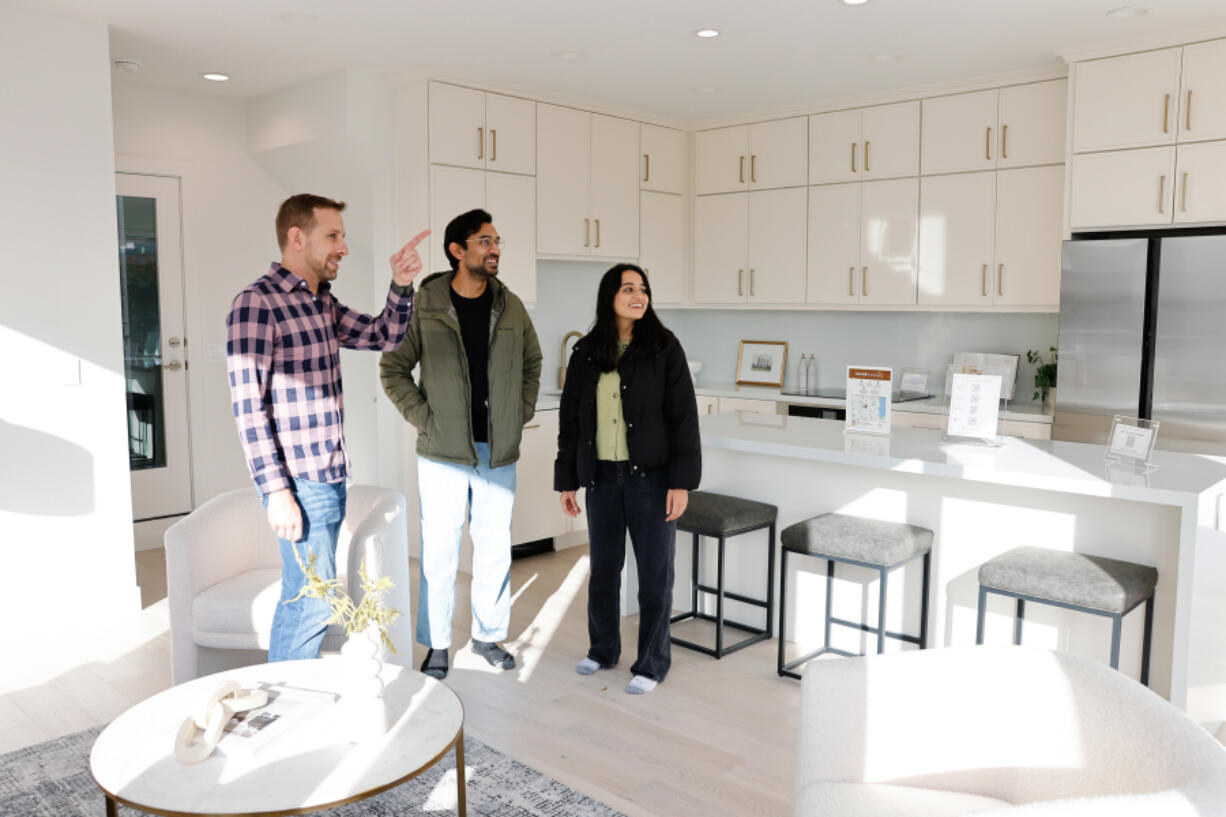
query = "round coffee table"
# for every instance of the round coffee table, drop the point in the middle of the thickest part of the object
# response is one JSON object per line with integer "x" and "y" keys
{"x": 311, "y": 766}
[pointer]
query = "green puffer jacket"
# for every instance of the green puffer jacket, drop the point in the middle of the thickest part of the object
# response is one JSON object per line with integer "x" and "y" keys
{"x": 438, "y": 404}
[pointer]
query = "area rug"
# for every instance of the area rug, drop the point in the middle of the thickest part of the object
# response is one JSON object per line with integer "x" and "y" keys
{"x": 52, "y": 779}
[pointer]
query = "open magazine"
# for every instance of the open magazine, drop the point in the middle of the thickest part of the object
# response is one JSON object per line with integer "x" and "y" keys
{"x": 287, "y": 708}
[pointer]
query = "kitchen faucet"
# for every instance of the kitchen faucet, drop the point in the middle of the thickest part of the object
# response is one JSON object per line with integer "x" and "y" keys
{"x": 562, "y": 368}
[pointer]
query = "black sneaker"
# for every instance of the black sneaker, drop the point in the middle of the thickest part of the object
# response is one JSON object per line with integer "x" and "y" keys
{"x": 495, "y": 655}
{"x": 435, "y": 664}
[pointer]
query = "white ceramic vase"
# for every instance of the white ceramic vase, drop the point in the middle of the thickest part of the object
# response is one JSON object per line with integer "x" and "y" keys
{"x": 362, "y": 700}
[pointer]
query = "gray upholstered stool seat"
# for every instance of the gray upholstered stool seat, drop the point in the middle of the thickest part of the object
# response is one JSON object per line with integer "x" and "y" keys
{"x": 719, "y": 516}
{"x": 870, "y": 543}
{"x": 1075, "y": 581}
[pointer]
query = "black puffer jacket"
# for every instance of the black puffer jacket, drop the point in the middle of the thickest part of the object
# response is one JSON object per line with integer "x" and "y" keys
{"x": 659, "y": 408}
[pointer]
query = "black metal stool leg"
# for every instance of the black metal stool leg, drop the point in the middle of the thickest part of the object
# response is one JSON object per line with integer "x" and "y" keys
{"x": 783, "y": 605}
{"x": 923, "y": 645}
{"x": 719, "y": 601}
{"x": 694, "y": 576}
{"x": 983, "y": 609}
{"x": 881, "y": 613}
{"x": 1145, "y": 643}
{"x": 829, "y": 596}
{"x": 1017, "y": 622}
{"x": 770, "y": 582}
{"x": 1117, "y": 622}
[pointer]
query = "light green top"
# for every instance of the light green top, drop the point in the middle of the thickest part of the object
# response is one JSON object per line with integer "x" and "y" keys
{"x": 610, "y": 424}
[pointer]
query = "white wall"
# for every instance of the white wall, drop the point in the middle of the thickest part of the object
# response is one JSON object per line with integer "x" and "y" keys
{"x": 65, "y": 500}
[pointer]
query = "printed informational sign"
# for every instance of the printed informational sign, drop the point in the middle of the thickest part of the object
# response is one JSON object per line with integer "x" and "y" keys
{"x": 868, "y": 399}
{"x": 1131, "y": 442}
{"x": 974, "y": 406}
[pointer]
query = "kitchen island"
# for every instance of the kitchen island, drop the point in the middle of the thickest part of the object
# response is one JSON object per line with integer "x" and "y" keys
{"x": 981, "y": 501}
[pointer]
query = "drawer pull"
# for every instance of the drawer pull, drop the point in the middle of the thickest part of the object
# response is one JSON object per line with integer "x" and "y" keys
{"x": 1161, "y": 193}
{"x": 1166, "y": 111}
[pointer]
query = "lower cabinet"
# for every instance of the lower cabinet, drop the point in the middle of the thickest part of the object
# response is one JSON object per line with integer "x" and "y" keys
{"x": 1009, "y": 428}
{"x": 748, "y": 404}
{"x": 538, "y": 512}
{"x": 707, "y": 404}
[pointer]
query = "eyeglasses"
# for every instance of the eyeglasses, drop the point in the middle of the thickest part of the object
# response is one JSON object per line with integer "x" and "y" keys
{"x": 486, "y": 242}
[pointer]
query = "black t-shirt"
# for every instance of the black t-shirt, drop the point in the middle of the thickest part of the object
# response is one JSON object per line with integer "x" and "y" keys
{"x": 474, "y": 317}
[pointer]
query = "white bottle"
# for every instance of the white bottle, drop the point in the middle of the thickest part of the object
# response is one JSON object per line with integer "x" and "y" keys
{"x": 802, "y": 376}
{"x": 812, "y": 375}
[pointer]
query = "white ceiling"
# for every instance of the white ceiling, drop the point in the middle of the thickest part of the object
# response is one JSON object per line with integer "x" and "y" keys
{"x": 637, "y": 54}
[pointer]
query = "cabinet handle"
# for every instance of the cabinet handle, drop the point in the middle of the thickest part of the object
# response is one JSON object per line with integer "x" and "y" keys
{"x": 494, "y": 147}
{"x": 534, "y": 425}
{"x": 1187, "y": 113}
{"x": 480, "y": 143}
{"x": 864, "y": 282}
{"x": 742, "y": 170}
{"x": 853, "y": 157}
{"x": 866, "y": 168}
{"x": 1004, "y": 141}
{"x": 851, "y": 281}
{"x": 587, "y": 232}
{"x": 1183, "y": 194}
{"x": 751, "y": 279}
{"x": 1166, "y": 110}
{"x": 739, "y": 275}
{"x": 983, "y": 284}
{"x": 597, "y": 232}
{"x": 753, "y": 168}
{"x": 987, "y": 144}
{"x": 646, "y": 167}
{"x": 1161, "y": 192}
{"x": 1000, "y": 280}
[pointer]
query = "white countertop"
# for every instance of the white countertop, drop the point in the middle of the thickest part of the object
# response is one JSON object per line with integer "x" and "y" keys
{"x": 1048, "y": 465}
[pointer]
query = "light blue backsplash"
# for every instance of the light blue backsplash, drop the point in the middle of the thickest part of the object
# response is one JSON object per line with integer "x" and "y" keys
{"x": 566, "y": 300}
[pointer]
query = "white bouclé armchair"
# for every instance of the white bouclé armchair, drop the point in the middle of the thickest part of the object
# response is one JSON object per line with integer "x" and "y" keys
{"x": 223, "y": 577}
{"x": 1006, "y": 732}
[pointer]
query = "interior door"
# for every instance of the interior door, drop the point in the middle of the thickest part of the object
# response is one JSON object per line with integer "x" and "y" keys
{"x": 155, "y": 360}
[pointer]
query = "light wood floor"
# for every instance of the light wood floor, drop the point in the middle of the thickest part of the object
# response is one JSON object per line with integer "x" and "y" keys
{"x": 716, "y": 738}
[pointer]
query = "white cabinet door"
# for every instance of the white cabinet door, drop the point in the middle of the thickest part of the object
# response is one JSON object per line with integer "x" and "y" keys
{"x": 662, "y": 245}
{"x": 777, "y": 227}
{"x": 510, "y": 125}
{"x": 834, "y": 147}
{"x": 511, "y": 200}
{"x": 1202, "y": 93}
{"x": 720, "y": 159}
{"x": 707, "y": 404}
{"x": 614, "y": 198}
{"x": 563, "y": 224}
{"x": 956, "y": 247}
{"x": 453, "y": 190}
{"x": 890, "y": 136}
{"x": 778, "y": 154}
{"x": 1032, "y": 120}
{"x": 1029, "y": 234}
{"x": 834, "y": 244}
{"x": 721, "y": 246}
{"x": 457, "y": 126}
{"x": 959, "y": 133}
{"x": 1124, "y": 188}
{"x": 748, "y": 404}
{"x": 537, "y": 513}
{"x": 663, "y": 160}
{"x": 1124, "y": 102}
{"x": 889, "y": 235}
{"x": 1202, "y": 183}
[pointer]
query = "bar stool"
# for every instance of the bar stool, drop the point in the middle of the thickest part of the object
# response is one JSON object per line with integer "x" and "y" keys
{"x": 870, "y": 543}
{"x": 718, "y": 516}
{"x": 1074, "y": 581}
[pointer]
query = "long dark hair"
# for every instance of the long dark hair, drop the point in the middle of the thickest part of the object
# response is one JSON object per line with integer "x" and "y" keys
{"x": 649, "y": 334}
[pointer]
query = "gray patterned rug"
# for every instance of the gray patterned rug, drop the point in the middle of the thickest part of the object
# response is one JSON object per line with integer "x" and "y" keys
{"x": 52, "y": 780}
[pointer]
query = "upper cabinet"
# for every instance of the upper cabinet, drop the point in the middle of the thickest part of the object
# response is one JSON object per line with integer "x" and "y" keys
{"x": 751, "y": 157}
{"x": 663, "y": 160}
{"x": 484, "y": 131}
{"x": 750, "y": 247}
{"x": 587, "y": 184}
{"x": 1202, "y": 98}
{"x": 1007, "y": 127}
{"x": 865, "y": 143}
{"x": 1126, "y": 102}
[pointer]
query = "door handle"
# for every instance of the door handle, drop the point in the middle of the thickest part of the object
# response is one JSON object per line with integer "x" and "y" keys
{"x": 1187, "y": 113}
{"x": 753, "y": 167}
{"x": 173, "y": 365}
{"x": 742, "y": 170}
{"x": 751, "y": 278}
{"x": 1161, "y": 193}
{"x": 864, "y": 282}
{"x": 739, "y": 276}
{"x": 534, "y": 425}
{"x": 1183, "y": 193}
{"x": 987, "y": 144}
{"x": 597, "y": 232}
{"x": 1166, "y": 110}
{"x": 853, "y": 157}
{"x": 866, "y": 167}
{"x": 983, "y": 281}
{"x": 1004, "y": 141}
{"x": 587, "y": 232}
{"x": 480, "y": 143}
{"x": 1000, "y": 278}
{"x": 646, "y": 167}
{"x": 494, "y": 146}
{"x": 851, "y": 281}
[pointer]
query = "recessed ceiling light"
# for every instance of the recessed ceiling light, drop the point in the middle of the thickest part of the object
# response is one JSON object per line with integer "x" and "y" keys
{"x": 854, "y": 2}
{"x": 706, "y": 33}
{"x": 569, "y": 56}
{"x": 883, "y": 57}
{"x": 128, "y": 66}
{"x": 213, "y": 77}
{"x": 1127, "y": 12}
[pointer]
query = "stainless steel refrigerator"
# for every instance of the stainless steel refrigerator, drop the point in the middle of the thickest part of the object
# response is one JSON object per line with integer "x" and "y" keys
{"x": 1143, "y": 334}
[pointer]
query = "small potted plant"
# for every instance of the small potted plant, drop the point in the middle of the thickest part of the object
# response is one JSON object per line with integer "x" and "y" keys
{"x": 1044, "y": 373}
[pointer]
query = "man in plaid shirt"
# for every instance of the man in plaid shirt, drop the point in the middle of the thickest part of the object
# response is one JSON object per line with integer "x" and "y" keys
{"x": 283, "y": 355}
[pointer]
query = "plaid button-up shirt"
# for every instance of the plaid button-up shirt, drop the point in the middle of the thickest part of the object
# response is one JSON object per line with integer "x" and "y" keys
{"x": 283, "y": 356}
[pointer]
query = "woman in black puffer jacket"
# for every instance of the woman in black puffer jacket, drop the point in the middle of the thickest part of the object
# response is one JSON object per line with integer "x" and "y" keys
{"x": 628, "y": 434}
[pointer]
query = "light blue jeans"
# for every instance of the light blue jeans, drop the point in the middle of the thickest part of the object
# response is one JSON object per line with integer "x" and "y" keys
{"x": 449, "y": 493}
{"x": 298, "y": 627}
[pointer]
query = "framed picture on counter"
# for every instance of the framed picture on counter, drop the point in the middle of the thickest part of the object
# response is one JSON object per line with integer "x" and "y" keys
{"x": 761, "y": 363}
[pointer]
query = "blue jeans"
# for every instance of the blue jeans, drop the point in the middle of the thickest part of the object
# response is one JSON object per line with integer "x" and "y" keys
{"x": 449, "y": 493}
{"x": 298, "y": 628}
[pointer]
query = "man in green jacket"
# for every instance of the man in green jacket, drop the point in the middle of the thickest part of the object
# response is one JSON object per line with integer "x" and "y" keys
{"x": 480, "y": 372}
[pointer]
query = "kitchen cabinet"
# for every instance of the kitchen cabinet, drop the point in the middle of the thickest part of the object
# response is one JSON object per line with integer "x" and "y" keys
{"x": 663, "y": 243}
{"x": 1127, "y": 101}
{"x": 881, "y": 142}
{"x": 707, "y": 404}
{"x": 991, "y": 238}
{"x": 750, "y": 247}
{"x": 587, "y": 184}
{"x": 664, "y": 167}
{"x": 537, "y": 513}
{"x": 757, "y": 406}
{"x": 480, "y": 130}
{"x": 1201, "y": 185}
{"x": 510, "y": 199}
{"x": 751, "y": 157}
{"x": 1007, "y": 127}
{"x": 1124, "y": 188}
{"x": 1008, "y": 428}
{"x": 1202, "y": 97}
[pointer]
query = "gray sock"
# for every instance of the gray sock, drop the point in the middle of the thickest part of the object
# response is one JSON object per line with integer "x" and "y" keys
{"x": 640, "y": 685}
{"x": 586, "y": 667}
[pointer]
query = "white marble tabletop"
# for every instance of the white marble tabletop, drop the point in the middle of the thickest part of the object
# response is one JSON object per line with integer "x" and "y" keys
{"x": 308, "y": 767}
